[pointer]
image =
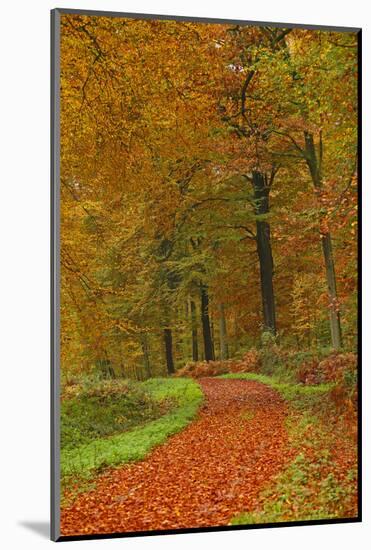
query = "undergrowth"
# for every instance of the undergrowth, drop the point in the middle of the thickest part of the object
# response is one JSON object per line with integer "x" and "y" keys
{"x": 106, "y": 409}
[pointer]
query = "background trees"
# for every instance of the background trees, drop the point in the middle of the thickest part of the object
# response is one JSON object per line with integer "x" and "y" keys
{"x": 208, "y": 191}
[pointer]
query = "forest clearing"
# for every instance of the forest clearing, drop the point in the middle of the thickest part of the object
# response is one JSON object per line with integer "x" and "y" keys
{"x": 209, "y": 285}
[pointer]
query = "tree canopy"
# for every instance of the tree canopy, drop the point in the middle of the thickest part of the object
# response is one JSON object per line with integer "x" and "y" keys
{"x": 208, "y": 191}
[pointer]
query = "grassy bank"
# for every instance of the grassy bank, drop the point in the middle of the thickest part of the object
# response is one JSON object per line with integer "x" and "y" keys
{"x": 100, "y": 409}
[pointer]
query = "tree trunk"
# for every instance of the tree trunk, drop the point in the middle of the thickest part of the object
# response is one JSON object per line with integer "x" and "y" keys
{"x": 235, "y": 335}
{"x": 205, "y": 319}
{"x": 223, "y": 333}
{"x": 335, "y": 323}
{"x": 169, "y": 350}
{"x": 264, "y": 249}
{"x": 314, "y": 162}
{"x": 194, "y": 332}
{"x": 145, "y": 350}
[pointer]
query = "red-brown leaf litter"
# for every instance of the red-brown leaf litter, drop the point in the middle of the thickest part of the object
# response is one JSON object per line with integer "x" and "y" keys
{"x": 200, "y": 477}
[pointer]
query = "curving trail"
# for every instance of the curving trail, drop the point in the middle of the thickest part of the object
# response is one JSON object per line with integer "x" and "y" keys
{"x": 202, "y": 476}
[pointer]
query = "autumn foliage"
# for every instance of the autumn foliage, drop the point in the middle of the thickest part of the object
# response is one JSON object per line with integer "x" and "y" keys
{"x": 249, "y": 363}
{"x": 337, "y": 367}
{"x": 208, "y": 192}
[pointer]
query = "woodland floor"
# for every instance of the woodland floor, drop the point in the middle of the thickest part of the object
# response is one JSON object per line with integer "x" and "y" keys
{"x": 202, "y": 476}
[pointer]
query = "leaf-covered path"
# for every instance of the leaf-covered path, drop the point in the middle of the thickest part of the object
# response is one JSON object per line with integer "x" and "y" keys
{"x": 201, "y": 476}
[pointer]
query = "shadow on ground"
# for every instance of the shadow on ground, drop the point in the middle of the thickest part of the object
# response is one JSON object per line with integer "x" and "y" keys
{"x": 42, "y": 528}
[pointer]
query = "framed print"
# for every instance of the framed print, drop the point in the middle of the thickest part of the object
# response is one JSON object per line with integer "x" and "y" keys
{"x": 205, "y": 274}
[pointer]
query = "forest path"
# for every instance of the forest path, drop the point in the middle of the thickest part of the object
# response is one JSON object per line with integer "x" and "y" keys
{"x": 202, "y": 476}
